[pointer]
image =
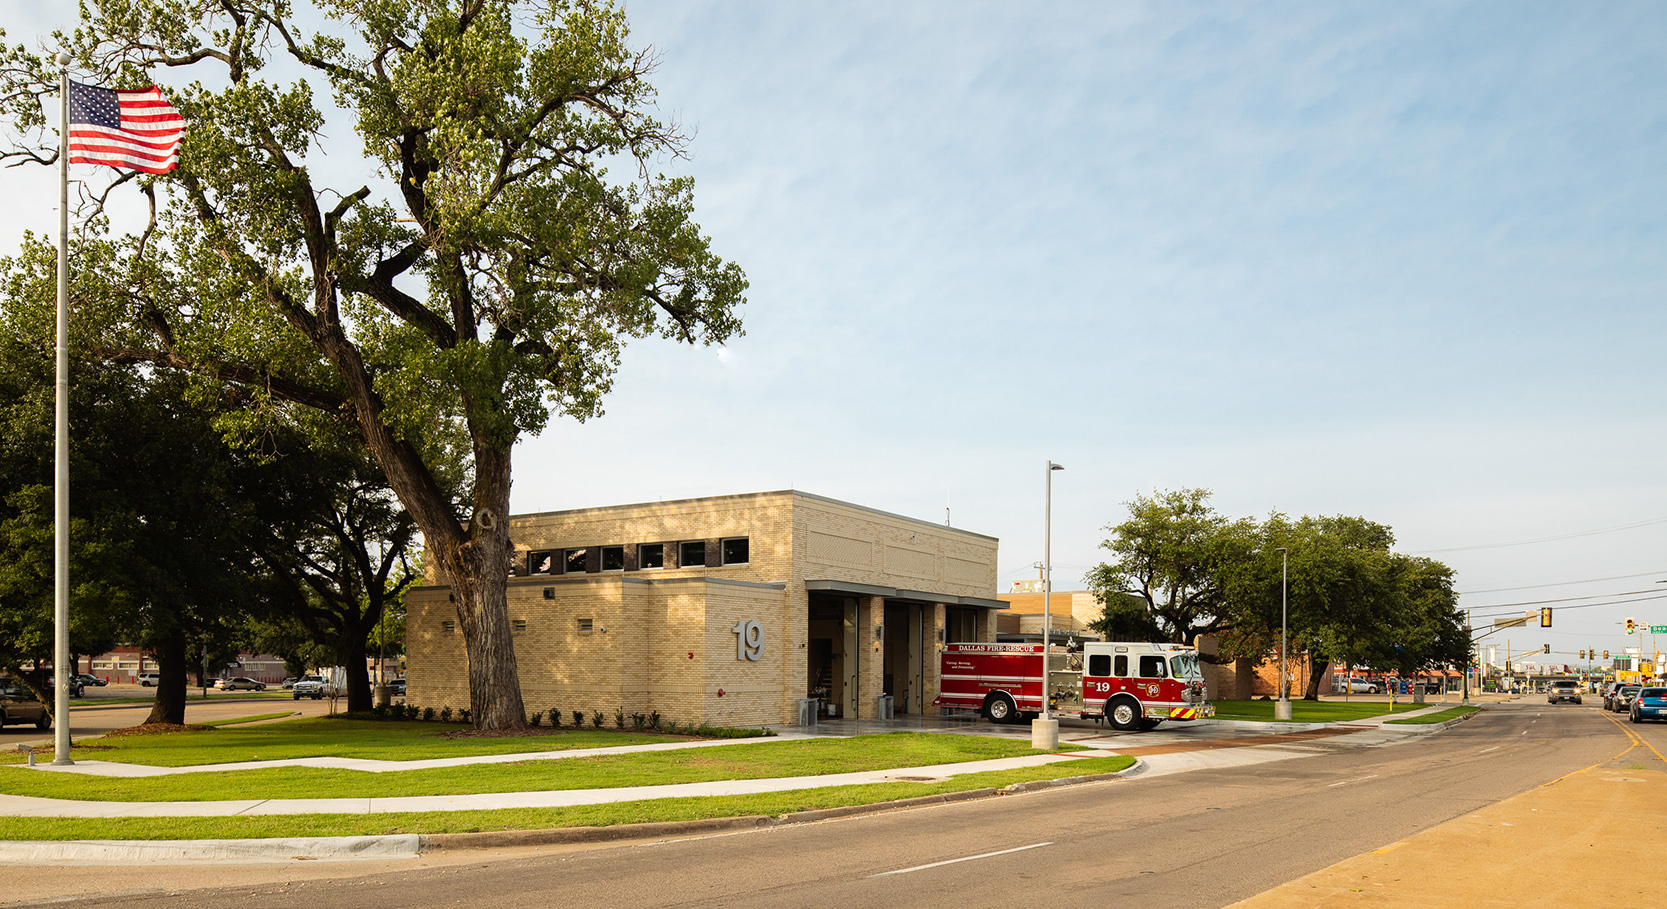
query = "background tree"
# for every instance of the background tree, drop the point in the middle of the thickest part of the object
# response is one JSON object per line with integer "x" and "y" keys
{"x": 338, "y": 550}
{"x": 156, "y": 536}
{"x": 481, "y": 269}
{"x": 1173, "y": 553}
{"x": 1348, "y": 597}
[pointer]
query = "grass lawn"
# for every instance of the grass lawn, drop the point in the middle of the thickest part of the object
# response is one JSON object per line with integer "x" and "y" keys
{"x": 684, "y": 809}
{"x": 329, "y": 737}
{"x": 762, "y": 760}
{"x": 1452, "y": 713}
{"x": 1311, "y": 711}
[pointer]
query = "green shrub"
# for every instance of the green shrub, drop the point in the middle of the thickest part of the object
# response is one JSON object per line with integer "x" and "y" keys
{"x": 535, "y": 719}
{"x": 654, "y": 720}
{"x": 445, "y": 714}
{"x": 463, "y": 714}
{"x": 619, "y": 717}
{"x": 428, "y": 714}
{"x": 555, "y": 718}
{"x": 596, "y": 720}
{"x": 639, "y": 721}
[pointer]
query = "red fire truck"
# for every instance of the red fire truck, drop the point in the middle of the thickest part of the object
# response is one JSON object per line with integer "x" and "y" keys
{"x": 1132, "y": 685}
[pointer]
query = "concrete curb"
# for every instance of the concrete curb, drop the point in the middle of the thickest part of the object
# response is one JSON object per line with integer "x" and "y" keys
{"x": 664, "y": 829}
{"x": 131, "y": 852}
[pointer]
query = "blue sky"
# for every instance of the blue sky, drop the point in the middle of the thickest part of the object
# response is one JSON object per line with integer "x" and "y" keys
{"x": 1402, "y": 261}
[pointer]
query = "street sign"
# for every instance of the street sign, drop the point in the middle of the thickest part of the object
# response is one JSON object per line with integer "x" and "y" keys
{"x": 1658, "y": 629}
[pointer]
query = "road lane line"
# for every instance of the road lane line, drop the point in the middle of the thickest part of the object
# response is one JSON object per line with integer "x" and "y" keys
{"x": 966, "y": 859}
{"x": 1486, "y": 750}
{"x": 1358, "y": 779}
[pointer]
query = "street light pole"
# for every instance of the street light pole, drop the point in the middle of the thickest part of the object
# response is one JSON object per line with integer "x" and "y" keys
{"x": 1044, "y": 731}
{"x": 1282, "y": 707}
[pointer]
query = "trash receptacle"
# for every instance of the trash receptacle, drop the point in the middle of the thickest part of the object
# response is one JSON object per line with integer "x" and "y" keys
{"x": 882, "y": 707}
{"x": 807, "y": 711}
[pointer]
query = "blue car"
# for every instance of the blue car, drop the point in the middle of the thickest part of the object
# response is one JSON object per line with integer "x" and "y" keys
{"x": 1650, "y": 704}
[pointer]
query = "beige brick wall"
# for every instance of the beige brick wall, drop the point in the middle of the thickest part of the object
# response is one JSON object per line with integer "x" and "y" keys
{"x": 646, "y": 623}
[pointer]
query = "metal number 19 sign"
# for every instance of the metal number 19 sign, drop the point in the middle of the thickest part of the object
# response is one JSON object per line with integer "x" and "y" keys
{"x": 749, "y": 640}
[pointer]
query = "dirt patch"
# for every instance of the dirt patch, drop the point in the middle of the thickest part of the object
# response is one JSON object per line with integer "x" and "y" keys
{"x": 156, "y": 728}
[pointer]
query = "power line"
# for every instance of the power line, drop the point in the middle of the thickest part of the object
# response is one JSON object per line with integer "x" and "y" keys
{"x": 1658, "y": 596}
{"x": 1592, "y": 596}
{"x": 1551, "y": 539}
{"x": 1619, "y": 577}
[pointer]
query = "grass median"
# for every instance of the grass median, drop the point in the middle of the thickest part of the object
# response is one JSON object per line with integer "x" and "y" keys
{"x": 760, "y": 760}
{"x": 1312, "y": 711}
{"x": 1452, "y": 713}
{"x": 770, "y": 804}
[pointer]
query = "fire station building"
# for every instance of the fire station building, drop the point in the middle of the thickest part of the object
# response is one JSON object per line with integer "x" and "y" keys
{"x": 726, "y": 610}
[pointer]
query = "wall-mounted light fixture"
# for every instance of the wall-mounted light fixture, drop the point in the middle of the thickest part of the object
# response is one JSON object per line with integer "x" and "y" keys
{"x": 549, "y": 593}
{"x": 879, "y": 632}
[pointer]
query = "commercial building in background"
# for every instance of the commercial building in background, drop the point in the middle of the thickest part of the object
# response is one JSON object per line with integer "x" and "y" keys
{"x": 1070, "y": 613}
{"x": 725, "y": 610}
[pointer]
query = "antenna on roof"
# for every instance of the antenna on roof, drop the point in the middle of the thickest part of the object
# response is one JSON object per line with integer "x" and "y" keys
{"x": 946, "y": 508}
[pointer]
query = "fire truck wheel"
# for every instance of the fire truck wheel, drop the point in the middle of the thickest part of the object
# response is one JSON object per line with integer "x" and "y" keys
{"x": 1001, "y": 709}
{"x": 1124, "y": 713}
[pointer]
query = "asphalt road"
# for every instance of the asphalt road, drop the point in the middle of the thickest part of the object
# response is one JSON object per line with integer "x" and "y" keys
{"x": 1204, "y": 838}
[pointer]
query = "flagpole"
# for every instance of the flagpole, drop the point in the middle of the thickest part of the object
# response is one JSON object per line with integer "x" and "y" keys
{"x": 62, "y": 671}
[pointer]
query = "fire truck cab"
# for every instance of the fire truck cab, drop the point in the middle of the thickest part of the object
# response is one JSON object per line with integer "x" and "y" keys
{"x": 1133, "y": 685}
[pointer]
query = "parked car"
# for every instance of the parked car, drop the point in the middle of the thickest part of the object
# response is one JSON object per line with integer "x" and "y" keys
{"x": 1563, "y": 691}
{"x": 93, "y": 680}
{"x": 1650, "y": 704}
{"x": 1360, "y": 686}
{"x": 75, "y": 687}
{"x": 149, "y": 679}
{"x": 244, "y": 683}
{"x": 289, "y": 682}
{"x": 396, "y": 688}
{"x": 19, "y": 705}
{"x": 1624, "y": 696}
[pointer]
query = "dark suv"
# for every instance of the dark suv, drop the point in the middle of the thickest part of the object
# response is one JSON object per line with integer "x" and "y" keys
{"x": 1563, "y": 691}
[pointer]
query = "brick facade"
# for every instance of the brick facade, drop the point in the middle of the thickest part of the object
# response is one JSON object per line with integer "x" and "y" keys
{"x": 672, "y": 639}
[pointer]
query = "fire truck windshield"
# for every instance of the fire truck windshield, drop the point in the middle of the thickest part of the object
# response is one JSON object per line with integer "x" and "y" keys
{"x": 1184, "y": 666}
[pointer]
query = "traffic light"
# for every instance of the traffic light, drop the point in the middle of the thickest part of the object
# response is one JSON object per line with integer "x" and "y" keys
{"x": 1583, "y": 654}
{"x": 1606, "y": 654}
{"x": 1631, "y": 626}
{"x": 1545, "y": 616}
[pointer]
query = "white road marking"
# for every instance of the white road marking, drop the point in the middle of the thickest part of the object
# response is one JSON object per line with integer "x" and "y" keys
{"x": 1358, "y": 779}
{"x": 1486, "y": 750}
{"x": 967, "y": 859}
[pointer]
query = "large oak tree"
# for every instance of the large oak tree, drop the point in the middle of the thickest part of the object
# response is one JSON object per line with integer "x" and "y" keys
{"x": 465, "y": 269}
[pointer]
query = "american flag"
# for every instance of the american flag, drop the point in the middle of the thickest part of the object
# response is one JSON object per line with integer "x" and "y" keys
{"x": 134, "y": 130}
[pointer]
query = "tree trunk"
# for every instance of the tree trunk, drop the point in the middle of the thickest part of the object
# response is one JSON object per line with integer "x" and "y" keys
{"x": 1311, "y": 691}
{"x": 357, "y": 676}
{"x": 478, "y": 570}
{"x": 169, "y": 706}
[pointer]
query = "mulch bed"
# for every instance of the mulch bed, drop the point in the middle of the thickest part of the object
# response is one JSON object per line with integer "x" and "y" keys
{"x": 154, "y": 728}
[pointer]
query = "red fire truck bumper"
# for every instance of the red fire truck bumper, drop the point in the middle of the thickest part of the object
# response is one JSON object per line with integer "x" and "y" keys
{"x": 1203, "y": 712}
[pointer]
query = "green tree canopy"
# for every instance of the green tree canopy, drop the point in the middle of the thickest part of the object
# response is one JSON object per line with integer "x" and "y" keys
{"x": 476, "y": 269}
{"x": 1346, "y": 596}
